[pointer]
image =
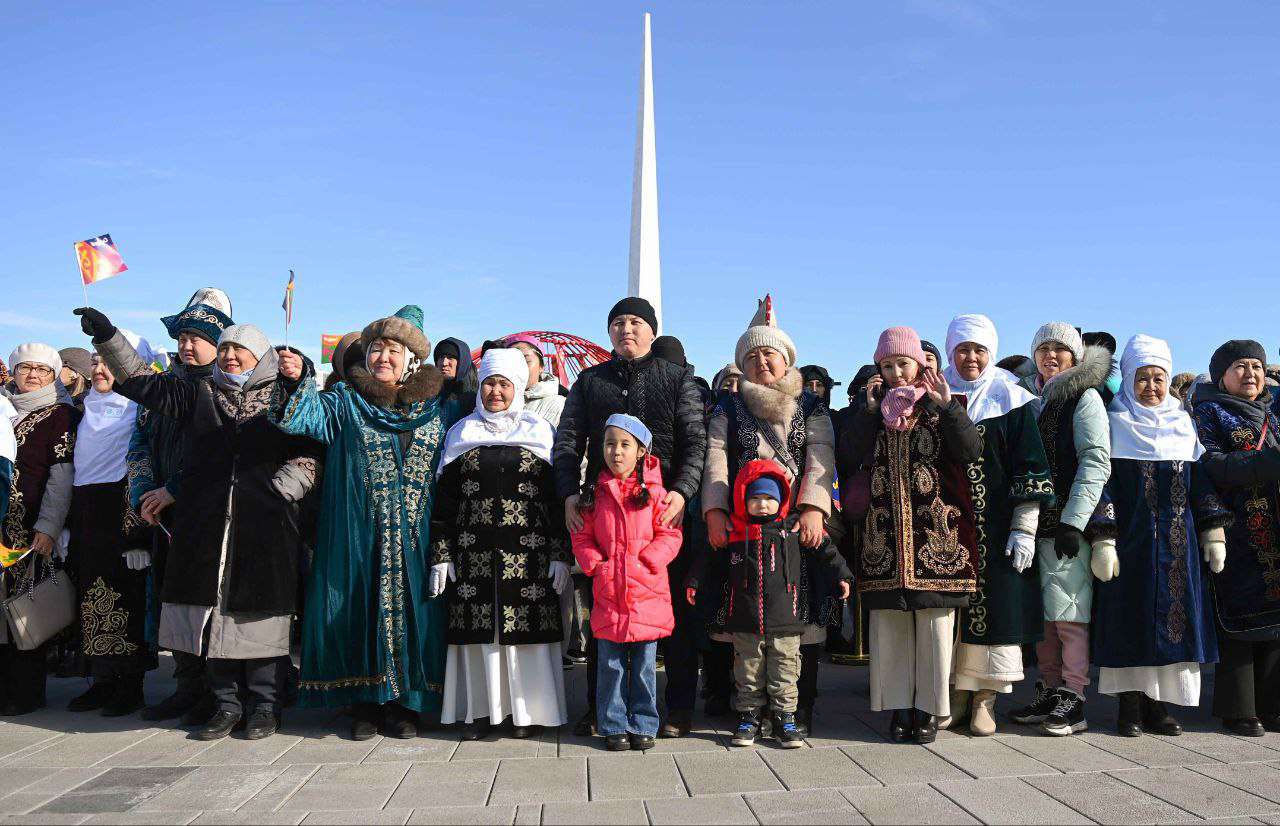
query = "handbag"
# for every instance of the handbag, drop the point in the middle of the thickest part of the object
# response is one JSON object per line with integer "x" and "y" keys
{"x": 39, "y": 610}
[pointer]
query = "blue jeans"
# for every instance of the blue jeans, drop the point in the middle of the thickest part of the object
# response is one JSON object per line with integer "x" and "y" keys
{"x": 627, "y": 688}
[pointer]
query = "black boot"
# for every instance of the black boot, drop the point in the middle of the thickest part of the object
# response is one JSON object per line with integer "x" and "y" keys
{"x": 1156, "y": 718}
{"x": 748, "y": 728}
{"x": 98, "y": 695}
{"x": 262, "y": 723}
{"x": 677, "y": 724}
{"x": 1129, "y": 717}
{"x": 1270, "y": 722}
{"x": 127, "y": 698}
{"x": 586, "y": 727}
{"x": 785, "y": 729}
{"x": 219, "y": 726}
{"x": 399, "y": 722}
{"x": 900, "y": 726}
{"x": 477, "y": 729}
{"x": 1245, "y": 726}
{"x": 368, "y": 716}
{"x": 924, "y": 727}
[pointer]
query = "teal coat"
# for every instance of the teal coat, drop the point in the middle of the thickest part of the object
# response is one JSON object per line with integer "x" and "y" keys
{"x": 370, "y": 634}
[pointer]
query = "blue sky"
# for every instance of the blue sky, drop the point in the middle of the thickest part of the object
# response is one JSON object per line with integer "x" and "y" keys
{"x": 1108, "y": 164}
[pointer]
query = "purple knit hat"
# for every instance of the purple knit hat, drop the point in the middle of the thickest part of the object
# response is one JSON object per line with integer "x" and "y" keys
{"x": 900, "y": 341}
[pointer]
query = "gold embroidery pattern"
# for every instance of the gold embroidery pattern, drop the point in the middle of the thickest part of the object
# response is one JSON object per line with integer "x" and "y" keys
{"x": 515, "y": 618}
{"x": 18, "y": 534}
{"x": 1176, "y": 622}
{"x": 102, "y": 624}
{"x": 942, "y": 551}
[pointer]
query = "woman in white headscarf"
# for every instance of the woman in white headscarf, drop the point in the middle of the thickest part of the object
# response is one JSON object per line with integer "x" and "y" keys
{"x": 1008, "y": 486}
{"x": 1161, "y": 531}
{"x": 499, "y": 541}
{"x": 109, "y": 547}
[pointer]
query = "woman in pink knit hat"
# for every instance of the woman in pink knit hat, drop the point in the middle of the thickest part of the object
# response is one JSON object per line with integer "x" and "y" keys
{"x": 917, "y": 562}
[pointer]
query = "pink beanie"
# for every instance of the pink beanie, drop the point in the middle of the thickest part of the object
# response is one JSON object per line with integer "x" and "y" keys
{"x": 900, "y": 341}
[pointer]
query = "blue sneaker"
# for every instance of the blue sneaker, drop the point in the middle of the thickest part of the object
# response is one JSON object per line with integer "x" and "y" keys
{"x": 748, "y": 729}
{"x": 785, "y": 729}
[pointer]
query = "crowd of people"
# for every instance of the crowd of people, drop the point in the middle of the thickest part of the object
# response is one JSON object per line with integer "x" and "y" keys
{"x": 438, "y": 535}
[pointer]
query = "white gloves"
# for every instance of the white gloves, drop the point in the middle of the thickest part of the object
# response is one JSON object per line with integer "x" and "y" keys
{"x": 1105, "y": 564}
{"x": 137, "y": 560}
{"x": 438, "y": 577}
{"x": 560, "y": 576}
{"x": 1022, "y": 548}
{"x": 1215, "y": 555}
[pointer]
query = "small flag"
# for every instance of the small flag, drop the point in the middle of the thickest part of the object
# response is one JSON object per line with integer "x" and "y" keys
{"x": 328, "y": 344}
{"x": 287, "y": 304}
{"x": 99, "y": 259}
{"x": 11, "y": 556}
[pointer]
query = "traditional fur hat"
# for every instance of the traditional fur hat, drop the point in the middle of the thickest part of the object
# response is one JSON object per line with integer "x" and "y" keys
{"x": 764, "y": 332}
{"x": 207, "y": 314}
{"x": 406, "y": 327}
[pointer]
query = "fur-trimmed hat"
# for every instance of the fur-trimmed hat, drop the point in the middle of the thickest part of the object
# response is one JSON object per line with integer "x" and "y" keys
{"x": 405, "y": 326}
{"x": 764, "y": 332}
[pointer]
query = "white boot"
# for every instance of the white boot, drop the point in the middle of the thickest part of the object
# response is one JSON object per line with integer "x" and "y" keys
{"x": 983, "y": 723}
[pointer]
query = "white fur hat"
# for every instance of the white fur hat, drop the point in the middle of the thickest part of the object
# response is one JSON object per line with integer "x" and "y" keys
{"x": 35, "y": 353}
{"x": 764, "y": 332}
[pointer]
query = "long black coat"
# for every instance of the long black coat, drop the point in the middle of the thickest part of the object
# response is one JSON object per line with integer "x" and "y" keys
{"x": 497, "y": 520}
{"x": 658, "y": 393}
{"x": 230, "y": 451}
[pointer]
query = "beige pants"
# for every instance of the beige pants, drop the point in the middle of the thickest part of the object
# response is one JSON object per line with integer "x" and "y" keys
{"x": 767, "y": 671}
{"x": 988, "y": 667}
{"x": 911, "y": 659}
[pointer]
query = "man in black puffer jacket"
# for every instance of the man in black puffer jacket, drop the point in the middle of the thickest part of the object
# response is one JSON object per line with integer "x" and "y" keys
{"x": 666, "y": 398}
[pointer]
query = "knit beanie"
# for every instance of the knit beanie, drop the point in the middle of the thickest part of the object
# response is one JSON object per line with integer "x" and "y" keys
{"x": 78, "y": 359}
{"x": 764, "y": 332}
{"x": 669, "y": 349}
{"x": 899, "y": 341}
{"x": 35, "y": 353}
{"x": 1231, "y": 352}
{"x": 636, "y": 306}
{"x": 632, "y": 425}
{"x": 930, "y": 347}
{"x": 765, "y": 486}
{"x": 1063, "y": 333}
{"x": 247, "y": 336}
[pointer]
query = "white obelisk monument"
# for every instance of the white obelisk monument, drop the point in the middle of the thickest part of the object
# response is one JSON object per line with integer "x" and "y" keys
{"x": 645, "y": 268}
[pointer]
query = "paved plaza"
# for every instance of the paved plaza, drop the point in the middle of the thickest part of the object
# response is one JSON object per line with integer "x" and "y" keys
{"x": 60, "y": 767}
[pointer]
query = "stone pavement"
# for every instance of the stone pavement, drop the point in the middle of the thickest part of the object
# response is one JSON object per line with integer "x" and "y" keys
{"x": 57, "y": 767}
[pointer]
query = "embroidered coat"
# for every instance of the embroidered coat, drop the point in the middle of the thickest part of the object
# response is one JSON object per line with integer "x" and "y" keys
{"x": 1006, "y": 608}
{"x": 113, "y": 599}
{"x": 497, "y": 519}
{"x": 919, "y": 543}
{"x": 1158, "y": 610}
{"x": 1247, "y": 477}
{"x": 370, "y": 634}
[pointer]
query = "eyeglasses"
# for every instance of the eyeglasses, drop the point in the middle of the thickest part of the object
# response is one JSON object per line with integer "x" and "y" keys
{"x": 34, "y": 370}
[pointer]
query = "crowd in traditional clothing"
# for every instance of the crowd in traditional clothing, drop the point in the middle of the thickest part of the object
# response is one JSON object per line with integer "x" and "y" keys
{"x": 431, "y": 536}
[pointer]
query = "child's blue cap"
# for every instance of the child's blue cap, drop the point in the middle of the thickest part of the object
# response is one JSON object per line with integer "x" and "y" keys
{"x": 765, "y": 486}
{"x": 633, "y": 426}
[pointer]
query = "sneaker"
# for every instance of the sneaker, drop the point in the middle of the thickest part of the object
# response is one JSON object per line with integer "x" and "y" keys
{"x": 748, "y": 729}
{"x": 1067, "y": 716}
{"x": 785, "y": 729}
{"x": 1040, "y": 708}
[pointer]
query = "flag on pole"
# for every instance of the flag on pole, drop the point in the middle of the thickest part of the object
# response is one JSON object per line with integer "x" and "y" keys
{"x": 99, "y": 259}
{"x": 287, "y": 304}
{"x": 12, "y": 556}
{"x": 328, "y": 344}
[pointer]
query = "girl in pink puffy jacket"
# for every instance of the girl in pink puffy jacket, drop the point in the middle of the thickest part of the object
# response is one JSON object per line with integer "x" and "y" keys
{"x": 625, "y": 552}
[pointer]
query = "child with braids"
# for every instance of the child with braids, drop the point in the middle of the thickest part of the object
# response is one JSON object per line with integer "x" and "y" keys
{"x": 625, "y": 550}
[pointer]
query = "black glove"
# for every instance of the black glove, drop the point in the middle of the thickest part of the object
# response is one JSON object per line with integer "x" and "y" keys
{"x": 95, "y": 324}
{"x": 1069, "y": 541}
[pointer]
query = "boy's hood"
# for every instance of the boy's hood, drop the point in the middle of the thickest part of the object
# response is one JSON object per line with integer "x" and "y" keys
{"x": 748, "y": 473}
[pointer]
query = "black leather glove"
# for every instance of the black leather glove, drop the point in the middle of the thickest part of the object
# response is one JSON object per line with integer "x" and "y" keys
{"x": 95, "y": 324}
{"x": 1069, "y": 541}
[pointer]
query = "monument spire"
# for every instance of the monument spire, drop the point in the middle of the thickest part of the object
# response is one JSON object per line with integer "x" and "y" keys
{"x": 645, "y": 269}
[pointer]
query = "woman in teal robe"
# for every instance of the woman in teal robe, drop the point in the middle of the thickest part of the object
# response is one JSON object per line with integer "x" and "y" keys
{"x": 373, "y": 633}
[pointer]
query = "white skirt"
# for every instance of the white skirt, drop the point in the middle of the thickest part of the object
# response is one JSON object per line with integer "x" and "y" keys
{"x": 1177, "y": 683}
{"x": 523, "y": 682}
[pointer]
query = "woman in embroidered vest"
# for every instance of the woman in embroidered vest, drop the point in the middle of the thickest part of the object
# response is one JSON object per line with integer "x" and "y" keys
{"x": 1072, "y": 416}
{"x": 1238, "y": 426}
{"x": 230, "y": 586}
{"x": 773, "y": 417}
{"x": 373, "y": 636}
{"x": 499, "y": 534}
{"x": 1153, "y": 623}
{"x": 39, "y": 496}
{"x": 110, "y": 546}
{"x": 1010, "y": 484}
{"x": 918, "y": 559}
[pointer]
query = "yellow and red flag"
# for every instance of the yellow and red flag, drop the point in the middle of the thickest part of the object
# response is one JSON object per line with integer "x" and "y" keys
{"x": 328, "y": 344}
{"x": 99, "y": 259}
{"x": 11, "y": 556}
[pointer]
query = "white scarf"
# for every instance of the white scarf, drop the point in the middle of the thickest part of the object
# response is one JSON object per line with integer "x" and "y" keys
{"x": 102, "y": 438}
{"x": 996, "y": 391}
{"x": 513, "y": 426}
{"x": 1150, "y": 434}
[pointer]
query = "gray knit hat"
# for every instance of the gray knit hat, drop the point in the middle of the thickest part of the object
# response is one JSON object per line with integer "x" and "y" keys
{"x": 1063, "y": 333}
{"x": 247, "y": 336}
{"x": 764, "y": 332}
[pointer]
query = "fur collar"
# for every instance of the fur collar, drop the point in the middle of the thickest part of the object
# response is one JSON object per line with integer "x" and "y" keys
{"x": 1091, "y": 372}
{"x": 424, "y": 383}
{"x": 776, "y": 403}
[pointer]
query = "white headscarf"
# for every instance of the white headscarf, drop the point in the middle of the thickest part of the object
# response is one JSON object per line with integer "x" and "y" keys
{"x": 1150, "y": 433}
{"x": 996, "y": 391}
{"x": 102, "y": 438}
{"x": 513, "y": 426}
